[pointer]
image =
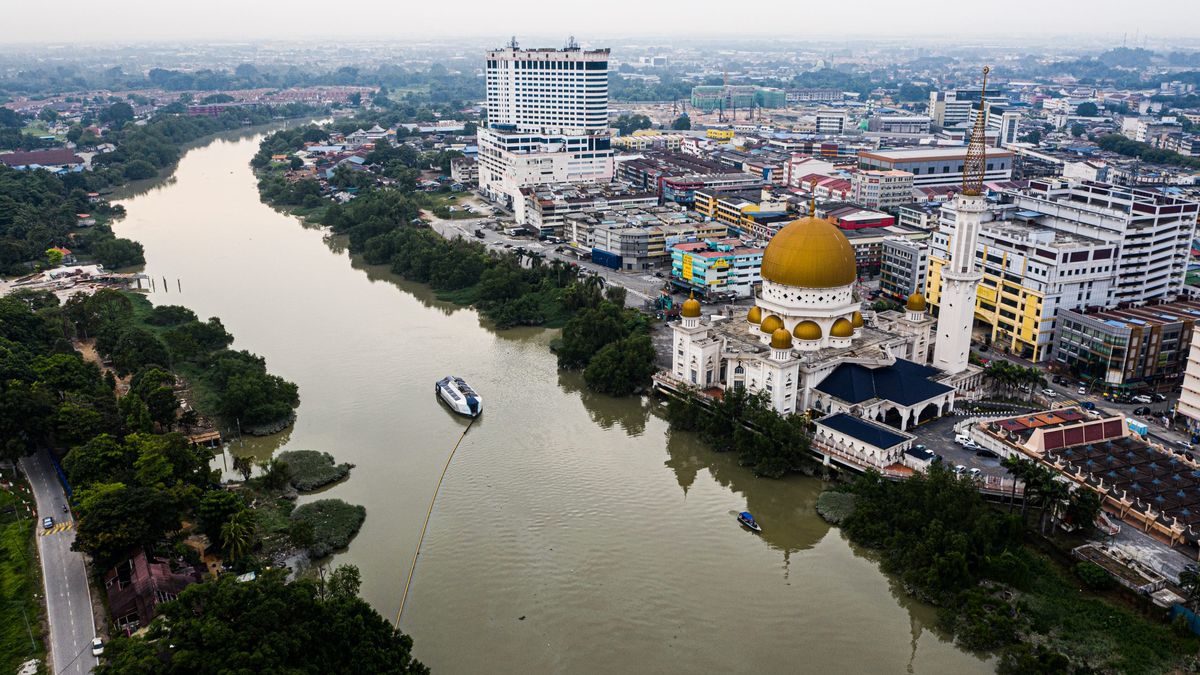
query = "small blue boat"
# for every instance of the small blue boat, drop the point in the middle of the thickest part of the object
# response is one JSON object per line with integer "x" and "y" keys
{"x": 748, "y": 521}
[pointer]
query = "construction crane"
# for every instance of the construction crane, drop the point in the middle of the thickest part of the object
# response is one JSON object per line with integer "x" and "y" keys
{"x": 976, "y": 165}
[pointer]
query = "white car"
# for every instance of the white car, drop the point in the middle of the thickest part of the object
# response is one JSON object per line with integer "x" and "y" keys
{"x": 1094, "y": 413}
{"x": 1083, "y": 390}
{"x": 1049, "y": 393}
{"x": 959, "y": 469}
{"x": 962, "y": 439}
{"x": 1142, "y": 398}
{"x": 97, "y": 647}
{"x": 976, "y": 473}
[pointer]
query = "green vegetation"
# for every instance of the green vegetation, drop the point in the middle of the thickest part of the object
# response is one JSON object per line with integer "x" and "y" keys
{"x": 950, "y": 548}
{"x": 38, "y": 211}
{"x": 1146, "y": 152}
{"x": 334, "y": 524}
{"x": 20, "y": 609}
{"x": 772, "y": 443}
{"x": 627, "y": 124}
{"x": 1010, "y": 378}
{"x": 266, "y": 626}
{"x": 311, "y": 469}
{"x": 835, "y": 506}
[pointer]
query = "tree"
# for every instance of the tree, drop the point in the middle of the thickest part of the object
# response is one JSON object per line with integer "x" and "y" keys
{"x": 344, "y": 582}
{"x": 54, "y": 257}
{"x": 682, "y": 123}
{"x": 117, "y": 114}
{"x": 622, "y": 367}
{"x": 263, "y": 626}
{"x": 1078, "y": 130}
{"x": 237, "y": 534}
{"x": 243, "y": 464}
{"x": 1087, "y": 109}
{"x": 627, "y": 124}
{"x": 139, "y": 169}
{"x": 48, "y": 114}
{"x": 216, "y": 508}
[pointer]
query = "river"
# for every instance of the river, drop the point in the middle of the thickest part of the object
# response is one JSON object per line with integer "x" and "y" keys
{"x": 574, "y": 532}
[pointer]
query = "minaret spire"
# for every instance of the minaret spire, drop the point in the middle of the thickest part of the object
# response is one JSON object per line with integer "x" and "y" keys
{"x": 976, "y": 163}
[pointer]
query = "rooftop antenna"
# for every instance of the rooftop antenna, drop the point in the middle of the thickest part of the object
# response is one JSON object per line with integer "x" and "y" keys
{"x": 512, "y": 44}
{"x": 571, "y": 43}
{"x": 976, "y": 163}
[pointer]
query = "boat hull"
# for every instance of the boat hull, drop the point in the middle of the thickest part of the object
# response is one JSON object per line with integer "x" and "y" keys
{"x": 466, "y": 403}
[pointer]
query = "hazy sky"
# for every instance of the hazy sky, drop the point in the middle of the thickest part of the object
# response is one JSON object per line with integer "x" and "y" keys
{"x": 138, "y": 20}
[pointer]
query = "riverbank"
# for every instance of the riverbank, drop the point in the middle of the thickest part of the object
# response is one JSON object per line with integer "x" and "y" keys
{"x": 995, "y": 590}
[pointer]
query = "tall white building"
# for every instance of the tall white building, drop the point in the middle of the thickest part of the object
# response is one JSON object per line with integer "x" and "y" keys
{"x": 1153, "y": 231}
{"x": 881, "y": 189}
{"x": 831, "y": 122}
{"x": 547, "y": 121}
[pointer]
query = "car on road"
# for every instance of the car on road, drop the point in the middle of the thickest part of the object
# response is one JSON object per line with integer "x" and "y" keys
{"x": 975, "y": 473}
{"x": 1088, "y": 405}
{"x": 1143, "y": 410}
{"x": 988, "y": 454}
{"x": 1049, "y": 393}
{"x": 1142, "y": 398}
{"x": 47, "y": 522}
{"x": 962, "y": 439}
{"x": 1157, "y": 398}
{"x": 1057, "y": 379}
{"x": 97, "y": 647}
{"x": 1082, "y": 390}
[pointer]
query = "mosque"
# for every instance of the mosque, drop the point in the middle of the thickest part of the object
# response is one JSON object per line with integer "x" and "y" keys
{"x": 807, "y": 344}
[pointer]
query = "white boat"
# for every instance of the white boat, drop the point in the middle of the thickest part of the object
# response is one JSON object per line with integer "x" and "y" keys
{"x": 459, "y": 396}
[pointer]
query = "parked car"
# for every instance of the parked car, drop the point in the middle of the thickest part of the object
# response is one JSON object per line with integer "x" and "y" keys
{"x": 962, "y": 439}
{"x": 1082, "y": 390}
{"x": 975, "y": 473}
{"x": 1144, "y": 410}
{"x": 1057, "y": 379}
{"x": 1142, "y": 398}
{"x": 1093, "y": 412}
{"x": 1157, "y": 398}
{"x": 1049, "y": 393}
{"x": 97, "y": 647}
{"x": 1088, "y": 405}
{"x": 959, "y": 469}
{"x": 47, "y": 522}
{"x": 984, "y": 452}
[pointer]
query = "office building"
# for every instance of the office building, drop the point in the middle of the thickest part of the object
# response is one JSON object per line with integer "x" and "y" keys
{"x": 904, "y": 263}
{"x": 881, "y": 189}
{"x": 1128, "y": 348}
{"x": 1152, "y": 231}
{"x": 831, "y": 122}
{"x": 635, "y": 238}
{"x": 899, "y": 124}
{"x": 547, "y": 121}
{"x": 716, "y": 266}
{"x": 1028, "y": 274}
{"x": 547, "y": 205}
{"x": 933, "y": 167}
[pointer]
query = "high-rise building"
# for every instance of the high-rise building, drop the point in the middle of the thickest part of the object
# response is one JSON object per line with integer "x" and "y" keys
{"x": 547, "y": 121}
{"x": 903, "y": 267}
{"x": 881, "y": 189}
{"x": 1153, "y": 231}
{"x": 831, "y": 122}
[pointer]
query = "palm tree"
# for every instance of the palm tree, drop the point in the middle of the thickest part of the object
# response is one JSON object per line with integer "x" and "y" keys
{"x": 1018, "y": 469}
{"x": 236, "y": 534}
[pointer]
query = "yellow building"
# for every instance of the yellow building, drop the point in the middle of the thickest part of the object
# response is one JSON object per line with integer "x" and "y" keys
{"x": 720, "y": 134}
{"x": 1030, "y": 274}
{"x": 750, "y": 212}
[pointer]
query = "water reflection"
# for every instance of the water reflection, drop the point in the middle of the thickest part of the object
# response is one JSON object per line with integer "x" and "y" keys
{"x": 629, "y": 413}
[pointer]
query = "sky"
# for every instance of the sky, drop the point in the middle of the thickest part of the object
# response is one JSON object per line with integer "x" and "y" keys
{"x": 171, "y": 20}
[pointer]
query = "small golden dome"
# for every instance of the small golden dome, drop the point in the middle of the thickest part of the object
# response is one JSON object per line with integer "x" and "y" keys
{"x": 754, "y": 315}
{"x": 841, "y": 329}
{"x": 916, "y": 302}
{"x": 807, "y": 330}
{"x": 691, "y": 308}
{"x": 781, "y": 339}
{"x": 771, "y": 324}
{"x": 810, "y": 253}
{"x": 856, "y": 320}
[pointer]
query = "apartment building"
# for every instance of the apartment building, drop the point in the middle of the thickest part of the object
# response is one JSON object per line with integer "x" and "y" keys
{"x": 904, "y": 263}
{"x": 935, "y": 167}
{"x": 717, "y": 266}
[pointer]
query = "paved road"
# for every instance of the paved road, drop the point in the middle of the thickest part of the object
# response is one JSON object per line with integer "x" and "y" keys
{"x": 641, "y": 286}
{"x": 68, "y": 600}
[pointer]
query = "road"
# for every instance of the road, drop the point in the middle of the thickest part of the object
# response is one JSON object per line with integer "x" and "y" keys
{"x": 640, "y": 286}
{"x": 68, "y": 599}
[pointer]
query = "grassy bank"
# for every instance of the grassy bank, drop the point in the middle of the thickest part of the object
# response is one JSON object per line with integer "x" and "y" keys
{"x": 20, "y": 608}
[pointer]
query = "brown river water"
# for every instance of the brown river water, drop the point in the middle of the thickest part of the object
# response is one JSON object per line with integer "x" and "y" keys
{"x": 574, "y": 533}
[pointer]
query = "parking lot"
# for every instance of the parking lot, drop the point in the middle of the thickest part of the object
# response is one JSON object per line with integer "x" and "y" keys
{"x": 938, "y": 436}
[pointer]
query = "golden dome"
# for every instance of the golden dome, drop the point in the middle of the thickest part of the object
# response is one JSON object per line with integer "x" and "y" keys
{"x": 916, "y": 302}
{"x": 841, "y": 329}
{"x": 754, "y": 315}
{"x": 771, "y": 324}
{"x": 691, "y": 308}
{"x": 807, "y": 330}
{"x": 856, "y": 320}
{"x": 781, "y": 339}
{"x": 810, "y": 253}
